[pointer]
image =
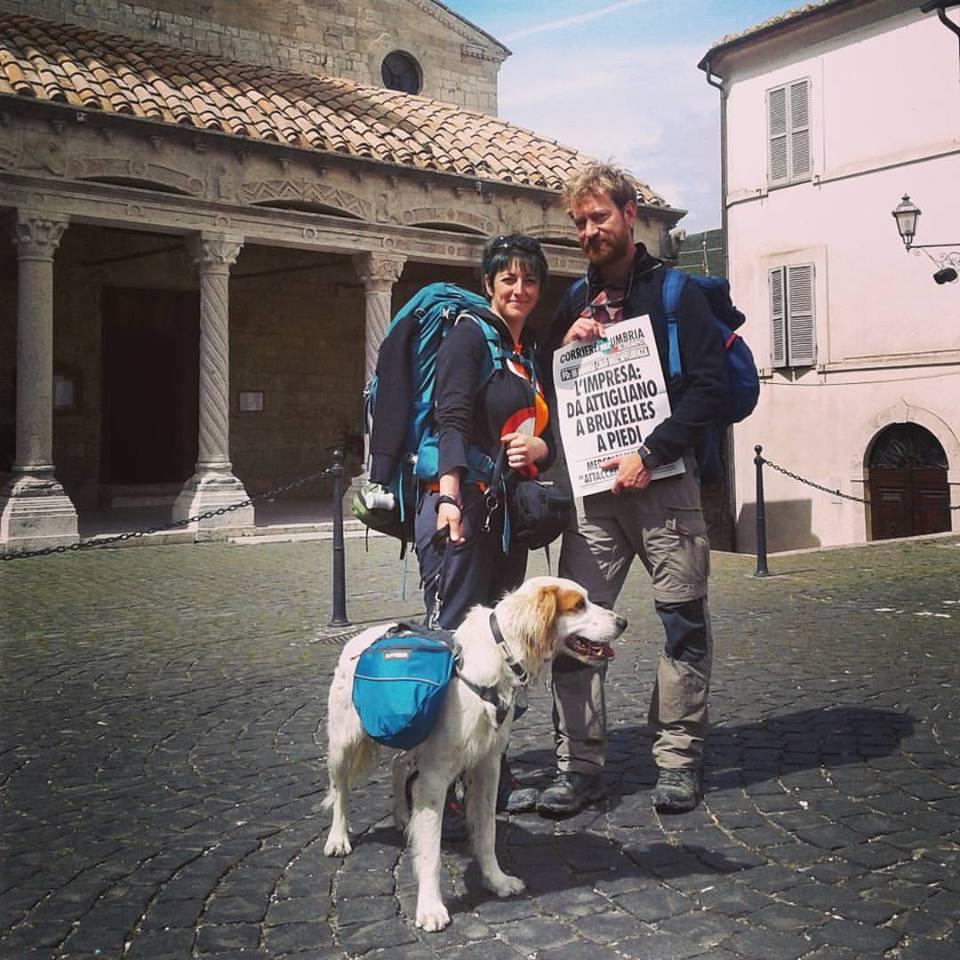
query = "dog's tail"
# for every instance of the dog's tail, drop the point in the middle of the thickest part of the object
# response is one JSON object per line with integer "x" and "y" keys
{"x": 355, "y": 762}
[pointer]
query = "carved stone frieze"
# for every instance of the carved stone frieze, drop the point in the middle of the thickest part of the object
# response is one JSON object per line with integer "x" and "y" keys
{"x": 126, "y": 168}
{"x": 303, "y": 190}
{"x": 41, "y": 151}
{"x": 452, "y": 215}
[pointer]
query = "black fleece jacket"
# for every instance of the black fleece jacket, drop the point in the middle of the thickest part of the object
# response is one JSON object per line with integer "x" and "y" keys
{"x": 698, "y": 396}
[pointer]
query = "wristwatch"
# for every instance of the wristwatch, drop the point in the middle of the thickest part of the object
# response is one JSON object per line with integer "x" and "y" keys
{"x": 650, "y": 460}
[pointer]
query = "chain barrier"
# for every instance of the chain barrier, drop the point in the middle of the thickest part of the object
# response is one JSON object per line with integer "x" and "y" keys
{"x": 174, "y": 525}
{"x": 823, "y": 489}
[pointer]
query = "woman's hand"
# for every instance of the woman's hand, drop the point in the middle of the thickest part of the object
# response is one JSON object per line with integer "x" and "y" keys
{"x": 523, "y": 449}
{"x": 583, "y": 328}
{"x": 450, "y": 507}
{"x": 449, "y": 517}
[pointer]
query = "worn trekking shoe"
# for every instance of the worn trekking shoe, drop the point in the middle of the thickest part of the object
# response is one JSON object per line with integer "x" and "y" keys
{"x": 570, "y": 792}
{"x": 677, "y": 790}
{"x": 511, "y": 796}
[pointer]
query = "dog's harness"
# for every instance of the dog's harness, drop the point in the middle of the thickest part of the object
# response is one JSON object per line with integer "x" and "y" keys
{"x": 491, "y": 694}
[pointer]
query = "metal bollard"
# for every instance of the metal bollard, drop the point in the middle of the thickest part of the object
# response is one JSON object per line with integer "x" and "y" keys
{"x": 339, "y": 618}
{"x": 762, "y": 570}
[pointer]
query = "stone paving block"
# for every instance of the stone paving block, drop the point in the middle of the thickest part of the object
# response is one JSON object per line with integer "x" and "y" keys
{"x": 293, "y": 937}
{"x": 218, "y": 938}
{"x": 703, "y": 927}
{"x": 762, "y": 943}
{"x": 856, "y": 936}
{"x": 537, "y": 933}
{"x": 922, "y": 949}
{"x": 658, "y": 945}
{"x": 786, "y": 917}
{"x": 607, "y": 927}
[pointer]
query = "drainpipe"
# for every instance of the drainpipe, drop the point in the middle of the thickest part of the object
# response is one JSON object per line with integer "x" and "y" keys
{"x": 941, "y": 9}
{"x": 715, "y": 80}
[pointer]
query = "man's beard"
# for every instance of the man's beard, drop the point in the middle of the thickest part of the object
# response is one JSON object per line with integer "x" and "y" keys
{"x": 609, "y": 251}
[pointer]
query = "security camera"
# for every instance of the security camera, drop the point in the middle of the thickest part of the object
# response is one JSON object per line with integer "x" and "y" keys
{"x": 946, "y": 275}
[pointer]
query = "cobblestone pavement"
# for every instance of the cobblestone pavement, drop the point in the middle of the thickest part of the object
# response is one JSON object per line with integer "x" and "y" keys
{"x": 161, "y": 771}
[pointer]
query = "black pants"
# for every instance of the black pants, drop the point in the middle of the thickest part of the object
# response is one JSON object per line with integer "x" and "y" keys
{"x": 476, "y": 570}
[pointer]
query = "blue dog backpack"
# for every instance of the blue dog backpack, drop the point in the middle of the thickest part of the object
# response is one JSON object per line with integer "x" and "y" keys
{"x": 406, "y": 425}
{"x": 400, "y": 683}
{"x": 743, "y": 380}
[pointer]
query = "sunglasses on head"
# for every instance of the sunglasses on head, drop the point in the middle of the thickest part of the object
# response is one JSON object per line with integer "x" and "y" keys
{"x": 517, "y": 241}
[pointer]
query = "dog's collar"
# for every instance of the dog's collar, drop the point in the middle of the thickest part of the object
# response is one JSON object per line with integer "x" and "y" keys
{"x": 491, "y": 694}
{"x": 518, "y": 670}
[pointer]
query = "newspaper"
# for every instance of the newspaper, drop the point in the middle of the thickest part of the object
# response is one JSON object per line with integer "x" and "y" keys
{"x": 610, "y": 396}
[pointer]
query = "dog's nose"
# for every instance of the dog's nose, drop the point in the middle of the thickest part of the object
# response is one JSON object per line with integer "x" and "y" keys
{"x": 621, "y": 623}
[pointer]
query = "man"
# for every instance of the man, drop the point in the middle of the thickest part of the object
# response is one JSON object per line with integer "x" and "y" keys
{"x": 661, "y": 522}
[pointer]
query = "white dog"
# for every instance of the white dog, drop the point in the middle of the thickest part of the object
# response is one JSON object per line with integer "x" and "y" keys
{"x": 544, "y": 617}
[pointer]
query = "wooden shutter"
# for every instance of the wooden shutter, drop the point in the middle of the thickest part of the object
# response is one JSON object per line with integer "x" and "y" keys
{"x": 801, "y": 345}
{"x": 777, "y": 140}
{"x": 800, "y": 130}
{"x": 778, "y": 319}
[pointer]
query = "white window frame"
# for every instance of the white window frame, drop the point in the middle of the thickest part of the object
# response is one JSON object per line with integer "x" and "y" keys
{"x": 789, "y": 157}
{"x": 793, "y": 319}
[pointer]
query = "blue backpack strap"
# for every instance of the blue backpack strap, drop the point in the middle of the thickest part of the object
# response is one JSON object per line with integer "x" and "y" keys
{"x": 673, "y": 282}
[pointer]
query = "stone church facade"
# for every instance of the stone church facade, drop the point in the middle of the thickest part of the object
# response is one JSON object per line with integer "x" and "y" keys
{"x": 214, "y": 208}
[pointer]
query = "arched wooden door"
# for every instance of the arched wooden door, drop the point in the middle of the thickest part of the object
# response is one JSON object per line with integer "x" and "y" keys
{"x": 909, "y": 494}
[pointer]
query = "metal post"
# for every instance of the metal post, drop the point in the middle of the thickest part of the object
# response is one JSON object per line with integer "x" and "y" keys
{"x": 762, "y": 570}
{"x": 339, "y": 618}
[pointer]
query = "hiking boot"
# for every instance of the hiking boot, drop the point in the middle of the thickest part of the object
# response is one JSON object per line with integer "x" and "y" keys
{"x": 511, "y": 797}
{"x": 677, "y": 790}
{"x": 570, "y": 792}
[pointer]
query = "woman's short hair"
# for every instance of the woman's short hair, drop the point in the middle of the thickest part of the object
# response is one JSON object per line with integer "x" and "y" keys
{"x": 600, "y": 179}
{"x": 500, "y": 252}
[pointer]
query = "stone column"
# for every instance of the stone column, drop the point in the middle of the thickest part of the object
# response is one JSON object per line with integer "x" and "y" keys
{"x": 379, "y": 273}
{"x": 34, "y": 510}
{"x": 213, "y": 485}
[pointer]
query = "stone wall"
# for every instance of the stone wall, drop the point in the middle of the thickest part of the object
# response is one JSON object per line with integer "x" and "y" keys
{"x": 347, "y": 39}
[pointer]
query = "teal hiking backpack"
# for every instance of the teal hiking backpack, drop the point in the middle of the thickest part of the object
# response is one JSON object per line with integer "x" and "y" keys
{"x": 743, "y": 381}
{"x": 398, "y": 405}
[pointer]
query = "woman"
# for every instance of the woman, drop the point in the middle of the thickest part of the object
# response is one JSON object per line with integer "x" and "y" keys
{"x": 469, "y": 565}
{"x": 460, "y": 544}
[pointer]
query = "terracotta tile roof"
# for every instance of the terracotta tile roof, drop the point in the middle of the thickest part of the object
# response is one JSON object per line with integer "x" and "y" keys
{"x": 771, "y": 23}
{"x": 92, "y": 70}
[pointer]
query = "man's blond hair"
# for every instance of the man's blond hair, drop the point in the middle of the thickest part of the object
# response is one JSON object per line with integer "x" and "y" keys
{"x": 599, "y": 179}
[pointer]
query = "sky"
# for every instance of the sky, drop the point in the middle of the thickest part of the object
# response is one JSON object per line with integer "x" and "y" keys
{"x": 618, "y": 80}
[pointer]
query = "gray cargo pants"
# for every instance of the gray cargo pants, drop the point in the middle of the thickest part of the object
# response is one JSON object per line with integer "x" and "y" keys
{"x": 663, "y": 526}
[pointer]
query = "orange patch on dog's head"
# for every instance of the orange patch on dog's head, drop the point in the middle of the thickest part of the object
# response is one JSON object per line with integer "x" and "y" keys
{"x": 569, "y": 600}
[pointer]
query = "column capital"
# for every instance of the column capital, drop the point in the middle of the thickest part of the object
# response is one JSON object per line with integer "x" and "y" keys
{"x": 378, "y": 271}
{"x": 37, "y": 235}
{"x": 214, "y": 249}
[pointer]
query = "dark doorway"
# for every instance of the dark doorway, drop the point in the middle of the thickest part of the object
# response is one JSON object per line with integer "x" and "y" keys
{"x": 150, "y": 385}
{"x": 908, "y": 483}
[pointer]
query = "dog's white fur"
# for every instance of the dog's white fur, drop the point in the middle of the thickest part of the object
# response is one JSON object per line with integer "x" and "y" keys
{"x": 538, "y": 620}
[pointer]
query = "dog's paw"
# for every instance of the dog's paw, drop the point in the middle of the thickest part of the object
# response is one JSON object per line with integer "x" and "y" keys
{"x": 337, "y": 846}
{"x": 505, "y": 886}
{"x": 433, "y": 917}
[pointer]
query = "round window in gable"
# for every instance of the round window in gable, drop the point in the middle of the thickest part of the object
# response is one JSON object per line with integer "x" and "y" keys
{"x": 401, "y": 72}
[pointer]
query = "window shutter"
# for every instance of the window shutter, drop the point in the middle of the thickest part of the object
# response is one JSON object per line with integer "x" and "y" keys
{"x": 800, "y": 130}
{"x": 801, "y": 348}
{"x": 778, "y": 168}
{"x": 778, "y": 319}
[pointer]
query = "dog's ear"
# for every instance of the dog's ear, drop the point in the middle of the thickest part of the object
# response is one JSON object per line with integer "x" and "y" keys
{"x": 537, "y": 633}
